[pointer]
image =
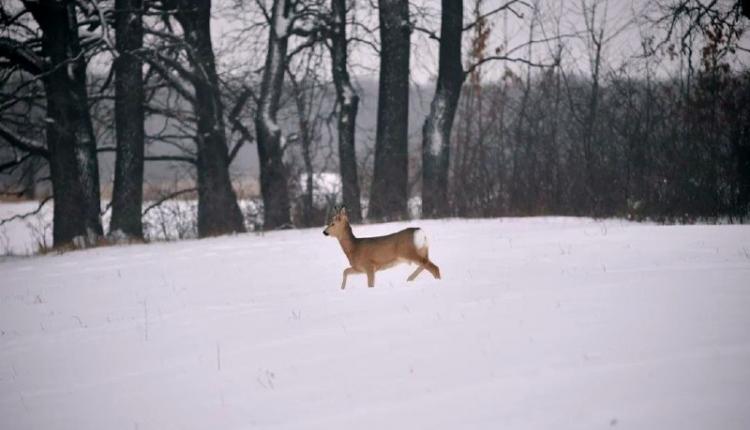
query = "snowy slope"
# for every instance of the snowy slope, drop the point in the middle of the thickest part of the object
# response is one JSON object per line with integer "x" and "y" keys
{"x": 538, "y": 323}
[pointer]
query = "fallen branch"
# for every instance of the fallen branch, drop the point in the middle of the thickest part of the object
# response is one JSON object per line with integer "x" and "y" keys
{"x": 28, "y": 214}
{"x": 168, "y": 197}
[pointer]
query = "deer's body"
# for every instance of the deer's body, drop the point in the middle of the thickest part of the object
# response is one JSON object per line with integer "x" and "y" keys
{"x": 371, "y": 254}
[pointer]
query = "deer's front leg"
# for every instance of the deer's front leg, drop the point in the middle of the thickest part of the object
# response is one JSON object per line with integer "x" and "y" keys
{"x": 371, "y": 277}
{"x": 348, "y": 271}
{"x": 415, "y": 274}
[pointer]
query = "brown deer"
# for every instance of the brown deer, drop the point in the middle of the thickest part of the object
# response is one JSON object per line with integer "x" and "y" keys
{"x": 371, "y": 254}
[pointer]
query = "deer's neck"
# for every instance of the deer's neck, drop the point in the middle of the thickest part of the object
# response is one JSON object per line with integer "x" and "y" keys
{"x": 348, "y": 242}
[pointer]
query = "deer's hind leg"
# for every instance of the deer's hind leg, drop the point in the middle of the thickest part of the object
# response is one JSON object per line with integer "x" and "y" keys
{"x": 432, "y": 268}
{"x": 423, "y": 261}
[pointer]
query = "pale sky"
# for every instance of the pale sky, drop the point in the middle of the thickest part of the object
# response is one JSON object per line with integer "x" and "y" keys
{"x": 623, "y": 22}
{"x": 240, "y": 38}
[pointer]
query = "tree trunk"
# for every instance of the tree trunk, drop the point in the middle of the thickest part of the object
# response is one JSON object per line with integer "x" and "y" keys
{"x": 127, "y": 194}
{"x": 437, "y": 128}
{"x": 74, "y": 167}
{"x": 218, "y": 212}
{"x": 306, "y": 140}
{"x": 522, "y": 182}
{"x": 388, "y": 199}
{"x": 348, "y": 102}
{"x": 273, "y": 180}
{"x": 589, "y": 138}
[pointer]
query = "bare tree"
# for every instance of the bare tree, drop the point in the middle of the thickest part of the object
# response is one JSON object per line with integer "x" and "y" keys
{"x": 71, "y": 146}
{"x": 388, "y": 199}
{"x": 273, "y": 177}
{"x": 218, "y": 212}
{"x": 437, "y": 128}
{"x": 438, "y": 125}
{"x": 348, "y": 103}
{"x": 702, "y": 17}
{"x": 308, "y": 94}
{"x": 127, "y": 194}
{"x": 589, "y": 116}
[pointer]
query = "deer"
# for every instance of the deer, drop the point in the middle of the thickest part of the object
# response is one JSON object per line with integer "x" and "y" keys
{"x": 372, "y": 254}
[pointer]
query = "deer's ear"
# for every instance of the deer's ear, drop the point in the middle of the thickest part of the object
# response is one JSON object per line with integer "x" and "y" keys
{"x": 342, "y": 211}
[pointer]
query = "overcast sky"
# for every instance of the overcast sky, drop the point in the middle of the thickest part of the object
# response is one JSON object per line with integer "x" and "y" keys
{"x": 240, "y": 38}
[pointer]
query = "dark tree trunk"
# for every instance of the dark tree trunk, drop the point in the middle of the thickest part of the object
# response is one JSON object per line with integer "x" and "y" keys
{"x": 273, "y": 180}
{"x": 388, "y": 199}
{"x": 348, "y": 102}
{"x": 741, "y": 149}
{"x": 73, "y": 164}
{"x": 590, "y": 153}
{"x": 127, "y": 194}
{"x": 437, "y": 128}
{"x": 218, "y": 212}
{"x": 309, "y": 183}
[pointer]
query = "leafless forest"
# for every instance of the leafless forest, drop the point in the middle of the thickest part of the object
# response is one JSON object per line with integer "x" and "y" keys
{"x": 469, "y": 108}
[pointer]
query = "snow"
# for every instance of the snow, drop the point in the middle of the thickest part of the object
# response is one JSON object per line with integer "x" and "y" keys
{"x": 281, "y": 25}
{"x": 71, "y": 69}
{"x": 172, "y": 220}
{"x": 325, "y": 185}
{"x": 347, "y": 94}
{"x": 24, "y": 236}
{"x": 537, "y": 323}
{"x": 271, "y": 125}
{"x": 438, "y": 114}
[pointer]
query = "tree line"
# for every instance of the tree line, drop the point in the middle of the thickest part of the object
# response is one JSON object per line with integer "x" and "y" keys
{"x": 621, "y": 141}
{"x": 540, "y": 140}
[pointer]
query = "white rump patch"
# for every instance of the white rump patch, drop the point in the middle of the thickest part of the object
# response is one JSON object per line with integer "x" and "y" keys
{"x": 420, "y": 239}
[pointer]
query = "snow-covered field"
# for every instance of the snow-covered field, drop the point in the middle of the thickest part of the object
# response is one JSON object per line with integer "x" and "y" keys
{"x": 538, "y": 323}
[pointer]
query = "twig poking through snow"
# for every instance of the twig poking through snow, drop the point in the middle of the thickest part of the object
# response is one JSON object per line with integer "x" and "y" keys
{"x": 80, "y": 321}
{"x": 23, "y": 402}
{"x": 145, "y": 319}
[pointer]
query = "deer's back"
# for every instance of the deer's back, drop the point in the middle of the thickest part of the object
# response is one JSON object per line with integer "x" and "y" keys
{"x": 389, "y": 248}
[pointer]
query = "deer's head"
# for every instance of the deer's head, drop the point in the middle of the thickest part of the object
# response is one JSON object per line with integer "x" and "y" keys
{"x": 338, "y": 223}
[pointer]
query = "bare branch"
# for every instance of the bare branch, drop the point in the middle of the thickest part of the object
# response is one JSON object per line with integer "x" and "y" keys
{"x": 176, "y": 65}
{"x": 23, "y": 143}
{"x": 178, "y": 85}
{"x": 15, "y": 162}
{"x": 245, "y": 135}
{"x": 506, "y": 6}
{"x": 168, "y": 197}
{"x": 21, "y": 55}
{"x": 431, "y": 34}
{"x": 177, "y": 158}
{"x": 506, "y": 58}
